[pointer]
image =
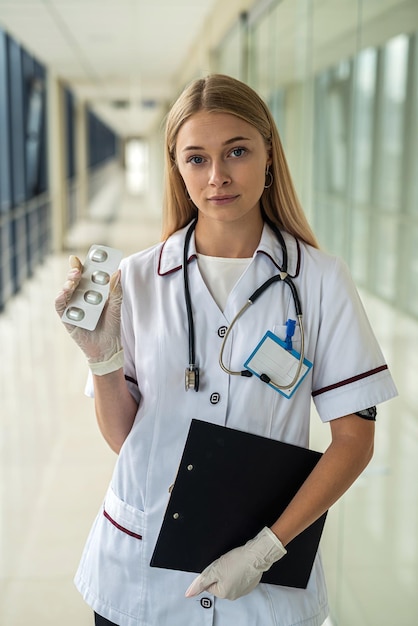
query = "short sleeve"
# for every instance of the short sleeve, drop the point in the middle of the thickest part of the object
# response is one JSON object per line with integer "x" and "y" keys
{"x": 350, "y": 372}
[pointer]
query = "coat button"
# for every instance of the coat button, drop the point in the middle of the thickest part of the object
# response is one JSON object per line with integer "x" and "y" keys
{"x": 222, "y": 331}
{"x": 206, "y": 603}
{"x": 215, "y": 398}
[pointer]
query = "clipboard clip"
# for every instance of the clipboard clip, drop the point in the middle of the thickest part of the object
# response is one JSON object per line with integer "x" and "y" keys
{"x": 189, "y": 468}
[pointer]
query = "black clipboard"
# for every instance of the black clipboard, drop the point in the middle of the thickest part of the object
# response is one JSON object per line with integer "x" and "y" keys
{"x": 230, "y": 484}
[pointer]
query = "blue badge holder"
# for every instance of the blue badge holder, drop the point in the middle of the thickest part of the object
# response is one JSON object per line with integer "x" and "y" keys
{"x": 261, "y": 366}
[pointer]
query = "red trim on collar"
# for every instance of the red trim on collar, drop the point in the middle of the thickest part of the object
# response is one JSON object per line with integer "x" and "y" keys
{"x": 174, "y": 269}
{"x": 278, "y": 267}
{"x": 353, "y": 379}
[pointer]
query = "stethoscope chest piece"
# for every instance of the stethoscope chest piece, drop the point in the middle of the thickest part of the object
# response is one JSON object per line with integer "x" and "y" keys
{"x": 191, "y": 378}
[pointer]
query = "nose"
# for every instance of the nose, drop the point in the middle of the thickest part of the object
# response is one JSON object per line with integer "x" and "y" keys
{"x": 219, "y": 174}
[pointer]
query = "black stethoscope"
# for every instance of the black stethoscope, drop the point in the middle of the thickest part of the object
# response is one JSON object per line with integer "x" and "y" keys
{"x": 192, "y": 371}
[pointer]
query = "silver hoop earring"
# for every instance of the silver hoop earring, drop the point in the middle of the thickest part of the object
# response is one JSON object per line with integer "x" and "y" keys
{"x": 268, "y": 173}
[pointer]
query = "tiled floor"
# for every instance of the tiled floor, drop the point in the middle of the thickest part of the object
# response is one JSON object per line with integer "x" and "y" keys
{"x": 54, "y": 465}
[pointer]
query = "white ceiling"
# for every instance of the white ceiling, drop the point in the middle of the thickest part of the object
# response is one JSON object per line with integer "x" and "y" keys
{"x": 135, "y": 52}
{"x": 112, "y": 51}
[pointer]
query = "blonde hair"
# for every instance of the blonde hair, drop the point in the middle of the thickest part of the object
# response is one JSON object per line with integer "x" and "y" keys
{"x": 218, "y": 93}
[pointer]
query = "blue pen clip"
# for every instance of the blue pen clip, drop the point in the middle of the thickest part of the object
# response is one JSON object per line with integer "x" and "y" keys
{"x": 290, "y": 331}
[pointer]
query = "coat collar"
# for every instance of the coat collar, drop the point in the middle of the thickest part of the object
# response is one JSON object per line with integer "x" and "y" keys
{"x": 171, "y": 253}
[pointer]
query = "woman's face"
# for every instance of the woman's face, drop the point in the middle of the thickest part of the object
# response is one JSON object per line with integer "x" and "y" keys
{"x": 222, "y": 160}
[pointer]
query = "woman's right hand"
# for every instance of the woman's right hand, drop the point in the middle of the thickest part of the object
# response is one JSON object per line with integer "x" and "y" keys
{"x": 104, "y": 342}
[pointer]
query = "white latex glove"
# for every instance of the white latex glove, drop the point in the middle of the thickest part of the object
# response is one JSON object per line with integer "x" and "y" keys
{"x": 239, "y": 571}
{"x": 102, "y": 346}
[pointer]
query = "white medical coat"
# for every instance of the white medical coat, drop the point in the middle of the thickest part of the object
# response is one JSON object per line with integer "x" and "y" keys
{"x": 348, "y": 374}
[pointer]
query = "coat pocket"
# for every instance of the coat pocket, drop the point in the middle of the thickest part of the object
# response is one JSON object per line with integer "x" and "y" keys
{"x": 111, "y": 572}
{"x": 123, "y": 516}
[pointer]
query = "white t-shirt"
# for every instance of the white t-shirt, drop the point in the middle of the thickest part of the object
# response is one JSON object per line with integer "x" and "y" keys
{"x": 220, "y": 275}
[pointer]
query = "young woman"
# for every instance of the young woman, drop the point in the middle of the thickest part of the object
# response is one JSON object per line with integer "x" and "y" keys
{"x": 231, "y": 211}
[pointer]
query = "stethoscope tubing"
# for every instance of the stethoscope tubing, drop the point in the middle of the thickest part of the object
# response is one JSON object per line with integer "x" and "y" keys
{"x": 192, "y": 372}
{"x": 187, "y": 295}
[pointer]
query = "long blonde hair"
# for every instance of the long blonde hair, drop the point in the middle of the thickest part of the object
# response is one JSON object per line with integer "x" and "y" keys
{"x": 218, "y": 93}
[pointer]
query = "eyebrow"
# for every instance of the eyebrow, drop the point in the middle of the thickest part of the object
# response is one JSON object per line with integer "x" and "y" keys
{"x": 226, "y": 143}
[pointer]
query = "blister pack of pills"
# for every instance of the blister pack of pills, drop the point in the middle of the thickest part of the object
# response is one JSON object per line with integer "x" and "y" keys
{"x": 87, "y": 303}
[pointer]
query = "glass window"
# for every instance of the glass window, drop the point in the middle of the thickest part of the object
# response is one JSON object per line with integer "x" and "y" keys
{"x": 17, "y": 123}
{"x": 5, "y": 169}
{"x": 23, "y": 164}
{"x": 385, "y": 233}
{"x": 411, "y": 134}
{"x": 362, "y": 161}
{"x": 332, "y": 130}
{"x": 338, "y": 120}
{"x": 391, "y": 127}
{"x": 70, "y": 133}
{"x": 276, "y": 104}
{"x": 331, "y": 156}
{"x": 33, "y": 135}
{"x": 42, "y": 184}
{"x": 361, "y": 247}
{"x": 364, "y": 110}
{"x": 261, "y": 53}
{"x": 409, "y": 278}
{"x": 321, "y": 160}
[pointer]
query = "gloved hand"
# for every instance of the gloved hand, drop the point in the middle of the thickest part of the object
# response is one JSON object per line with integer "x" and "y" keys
{"x": 102, "y": 346}
{"x": 239, "y": 571}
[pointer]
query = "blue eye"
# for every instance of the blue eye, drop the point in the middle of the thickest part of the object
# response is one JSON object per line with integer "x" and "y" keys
{"x": 238, "y": 152}
{"x": 196, "y": 160}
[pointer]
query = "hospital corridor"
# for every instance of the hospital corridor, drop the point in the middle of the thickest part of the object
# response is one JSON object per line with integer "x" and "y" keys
{"x": 81, "y": 163}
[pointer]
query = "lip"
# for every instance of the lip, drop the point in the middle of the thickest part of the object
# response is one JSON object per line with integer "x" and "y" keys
{"x": 224, "y": 199}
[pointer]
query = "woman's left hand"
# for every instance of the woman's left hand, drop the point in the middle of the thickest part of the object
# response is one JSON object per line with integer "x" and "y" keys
{"x": 239, "y": 571}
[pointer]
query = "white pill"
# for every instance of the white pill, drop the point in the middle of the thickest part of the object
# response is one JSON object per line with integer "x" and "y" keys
{"x": 98, "y": 255}
{"x": 93, "y": 297}
{"x": 75, "y": 314}
{"x": 100, "y": 278}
